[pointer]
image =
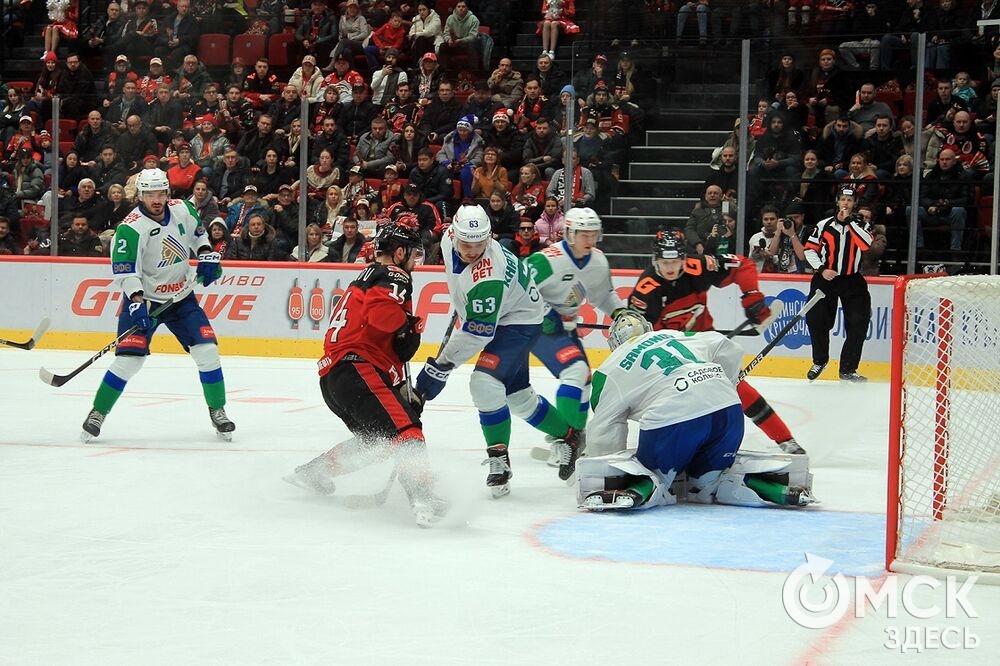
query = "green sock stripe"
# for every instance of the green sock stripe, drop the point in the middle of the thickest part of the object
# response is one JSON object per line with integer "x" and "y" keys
{"x": 767, "y": 490}
{"x": 571, "y": 411}
{"x": 497, "y": 433}
{"x": 215, "y": 393}
{"x": 644, "y": 486}
{"x": 553, "y": 423}
{"x": 106, "y": 397}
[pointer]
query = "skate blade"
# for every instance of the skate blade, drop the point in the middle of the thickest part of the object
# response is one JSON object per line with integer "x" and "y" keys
{"x": 499, "y": 491}
{"x": 294, "y": 480}
{"x": 544, "y": 455}
{"x": 86, "y": 437}
{"x": 224, "y": 436}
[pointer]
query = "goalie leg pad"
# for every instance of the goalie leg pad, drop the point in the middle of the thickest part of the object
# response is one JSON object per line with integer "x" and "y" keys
{"x": 616, "y": 472}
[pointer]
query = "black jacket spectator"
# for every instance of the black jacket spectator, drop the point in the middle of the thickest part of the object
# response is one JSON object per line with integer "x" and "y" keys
{"x": 434, "y": 184}
{"x": 132, "y": 146}
{"x": 336, "y": 249}
{"x": 76, "y": 91}
{"x": 88, "y": 143}
{"x": 356, "y": 119}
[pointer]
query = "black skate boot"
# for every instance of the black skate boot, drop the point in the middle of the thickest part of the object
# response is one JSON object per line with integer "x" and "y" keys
{"x": 223, "y": 426}
{"x": 498, "y": 480}
{"x": 792, "y": 447}
{"x": 92, "y": 426}
{"x": 815, "y": 371}
{"x": 569, "y": 448}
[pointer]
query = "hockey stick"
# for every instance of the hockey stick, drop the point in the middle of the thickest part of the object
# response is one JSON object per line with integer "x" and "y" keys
{"x": 777, "y": 306}
{"x": 817, "y": 297}
{"x": 58, "y": 380}
{"x": 43, "y": 326}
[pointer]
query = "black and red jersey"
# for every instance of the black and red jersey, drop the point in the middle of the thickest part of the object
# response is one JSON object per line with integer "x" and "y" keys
{"x": 376, "y": 305}
{"x": 682, "y": 304}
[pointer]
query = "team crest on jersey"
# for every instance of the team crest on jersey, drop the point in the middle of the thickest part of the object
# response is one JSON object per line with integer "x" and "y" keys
{"x": 171, "y": 252}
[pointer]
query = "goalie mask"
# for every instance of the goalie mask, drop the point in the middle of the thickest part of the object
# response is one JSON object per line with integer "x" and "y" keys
{"x": 627, "y": 326}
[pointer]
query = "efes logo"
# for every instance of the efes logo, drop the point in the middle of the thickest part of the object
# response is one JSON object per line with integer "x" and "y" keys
{"x": 171, "y": 252}
{"x": 799, "y": 335}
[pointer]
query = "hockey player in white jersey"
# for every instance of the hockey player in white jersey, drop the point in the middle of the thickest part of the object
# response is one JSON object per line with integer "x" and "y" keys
{"x": 567, "y": 273}
{"x": 149, "y": 259}
{"x": 681, "y": 388}
{"x": 500, "y": 311}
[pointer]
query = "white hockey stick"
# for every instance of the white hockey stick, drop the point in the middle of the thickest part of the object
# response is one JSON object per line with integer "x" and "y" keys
{"x": 817, "y": 297}
{"x": 43, "y": 326}
{"x": 368, "y": 501}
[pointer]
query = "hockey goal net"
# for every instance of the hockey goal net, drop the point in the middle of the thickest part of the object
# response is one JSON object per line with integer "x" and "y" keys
{"x": 944, "y": 449}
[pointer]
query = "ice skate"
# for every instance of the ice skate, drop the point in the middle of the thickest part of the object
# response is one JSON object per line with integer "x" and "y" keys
{"x": 498, "y": 480}
{"x": 853, "y": 377}
{"x": 799, "y": 496}
{"x": 605, "y": 500}
{"x": 92, "y": 426}
{"x": 791, "y": 447}
{"x": 569, "y": 449}
{"x": 315, "y": 476}
{"x": 429, "y": 509}
{"x": 223, "y": 426}
{"x": 815, "y": 371}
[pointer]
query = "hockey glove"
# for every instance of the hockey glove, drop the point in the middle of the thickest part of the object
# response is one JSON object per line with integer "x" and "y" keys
{"x": 140, "y": 316}
{"x": 411, "y": 396}
{"x": 754, "y": 306}
{"x": 407, "y": 338}
{"x": 432, "y": 378}
{"x": 556, "y": 324}
{"x": 209, "y": 267}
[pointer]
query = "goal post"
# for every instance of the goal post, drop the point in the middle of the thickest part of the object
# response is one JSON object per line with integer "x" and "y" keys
{"x": 943, "y": 505}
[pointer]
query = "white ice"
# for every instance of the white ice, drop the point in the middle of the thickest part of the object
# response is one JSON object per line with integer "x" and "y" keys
{"x": 159, "y": 544}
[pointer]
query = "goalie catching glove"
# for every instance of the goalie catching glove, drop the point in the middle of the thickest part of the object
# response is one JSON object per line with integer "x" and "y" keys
{"x": 209, "y": 267}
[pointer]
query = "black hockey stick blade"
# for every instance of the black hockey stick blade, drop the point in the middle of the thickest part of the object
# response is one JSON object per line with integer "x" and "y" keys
{"x": 43, "y": 326}
{"x": 53, "y": 379}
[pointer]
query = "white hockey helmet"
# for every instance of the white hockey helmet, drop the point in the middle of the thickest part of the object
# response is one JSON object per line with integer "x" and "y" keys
{"x": 152, "y": 180}
{"x": 626, "y": 326}
{"x": 471, "y": 224}
{"x": 582, "y": 219}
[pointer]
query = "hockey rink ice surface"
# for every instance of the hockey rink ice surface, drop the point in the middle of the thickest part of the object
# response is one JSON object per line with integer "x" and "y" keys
{"x": 160, "y": 544}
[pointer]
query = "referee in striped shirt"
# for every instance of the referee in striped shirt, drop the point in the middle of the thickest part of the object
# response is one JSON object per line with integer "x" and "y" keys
{"x": 834, "y": 251}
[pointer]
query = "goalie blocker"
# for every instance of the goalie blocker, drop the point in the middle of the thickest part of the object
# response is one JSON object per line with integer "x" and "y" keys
{"x": 619, "y": 481}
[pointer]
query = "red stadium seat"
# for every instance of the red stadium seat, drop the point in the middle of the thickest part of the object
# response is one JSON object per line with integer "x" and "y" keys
{"x": 249, "y": 47}
{"x": 213, "y": 50}
{"x": 277, "y": 49}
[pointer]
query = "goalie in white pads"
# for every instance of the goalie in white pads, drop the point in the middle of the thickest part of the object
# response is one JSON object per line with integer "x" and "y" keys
{"x": 149, "y": 258}
{"x": 681, "y": 388}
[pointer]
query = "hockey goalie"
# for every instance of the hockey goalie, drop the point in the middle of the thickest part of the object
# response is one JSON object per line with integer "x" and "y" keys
{"x": 680, "y": 388}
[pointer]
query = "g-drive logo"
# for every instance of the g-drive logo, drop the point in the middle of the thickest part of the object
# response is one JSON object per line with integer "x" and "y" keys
{"x": 799, "y": 335}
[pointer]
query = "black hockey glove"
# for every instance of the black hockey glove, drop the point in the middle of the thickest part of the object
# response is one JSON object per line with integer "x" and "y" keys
{"x": 407, "y": 338}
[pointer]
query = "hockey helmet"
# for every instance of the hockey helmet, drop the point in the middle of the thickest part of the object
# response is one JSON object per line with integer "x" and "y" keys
{"x": 582, "y": 219}
{"x": 392, "y": 235}
{"x": 626, "y": 326}
{"x": 667, "y": 245}
{"x": 152, "y": 180}
{"x": 471, "y": 225}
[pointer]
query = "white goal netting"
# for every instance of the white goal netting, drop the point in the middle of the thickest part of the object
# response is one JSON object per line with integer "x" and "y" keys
{"x": 949, "y": 421}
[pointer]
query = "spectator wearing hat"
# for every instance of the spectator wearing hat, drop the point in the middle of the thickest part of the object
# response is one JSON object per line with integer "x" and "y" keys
{"x": 130, "y": 103}
{"x": 586, "y": 79}
{"x": 140, "y": 33}
{"x": 29, "y": 181}
{"x": 26, "y": 137}
{"x": 154, "y": 78}
{"x": 261, "y": 85}
{"x": 208, "y": 145}
{"x": 828, "y": 87}
{"x": 612, "y": 121}
{"x": 353, "y": 30}
{"x": 40, "y": 104}
{"x": 506, "y": 84}
{"x": 136, "y": 142}
{"x": 363, "y": 214}
{"x": 343, "y": 78}
{"x": 439, "y": 117}
{"x": 109, "y": 170}
{"x": 595, "y": 153}
{"x": 357, "y": 188}
{"x": 426, "y": 31}
{"x": 425, "y": 78}
{"x": 240, "y": 210}
{"x": 391, "y": 35}
{"x": 75, "y": 89}
{"x": 150, "y": 161}
{"x": 787, "y": 246}
{"x": 237, "y": 74}
{"x": 47, "y": 154}
{"x": 390, "y": 190}
{"x": 428, "y": 218}
{"x": 179, "y": 36}
{"x": 184, "y": 174}
{"x": 307, "y": 79}
{"x": 372, "y": 152}
{"x": 317, "y": 31}
{"x": 387, "y": 77}
{"x": 461, "y": 153}
{"x": 461, "y": 34}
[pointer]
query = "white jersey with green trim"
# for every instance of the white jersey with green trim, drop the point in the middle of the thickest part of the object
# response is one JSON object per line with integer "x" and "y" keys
{"x": 495, "y": 290}
{"x": 151, "y": 256}
{"x": 565, "y": 281}
{"x": 659, "y": 379}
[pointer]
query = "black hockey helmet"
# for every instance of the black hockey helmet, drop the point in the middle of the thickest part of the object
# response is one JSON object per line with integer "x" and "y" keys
{"x": 668, "y": 245}
{"x": 392, "y": 235}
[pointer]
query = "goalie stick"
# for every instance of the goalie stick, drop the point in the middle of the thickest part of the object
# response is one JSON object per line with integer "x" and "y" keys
{"x": 43, "y": 326}
{"x": 58, "y": 380}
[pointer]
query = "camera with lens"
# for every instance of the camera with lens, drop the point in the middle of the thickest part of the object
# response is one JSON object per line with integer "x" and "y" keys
{"x": 786, "y": 223}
